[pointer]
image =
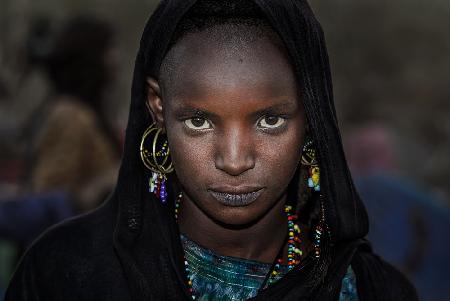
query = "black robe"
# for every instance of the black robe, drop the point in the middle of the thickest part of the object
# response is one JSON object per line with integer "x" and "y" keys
{"x": 129, "y": 249}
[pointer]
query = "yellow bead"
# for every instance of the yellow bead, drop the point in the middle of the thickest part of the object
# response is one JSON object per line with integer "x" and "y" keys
{"x": 315, "y": 178}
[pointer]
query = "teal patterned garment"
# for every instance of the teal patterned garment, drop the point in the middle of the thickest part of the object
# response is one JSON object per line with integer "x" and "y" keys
{"x": 348, "y": 289}
{"x": 215, "y": 277}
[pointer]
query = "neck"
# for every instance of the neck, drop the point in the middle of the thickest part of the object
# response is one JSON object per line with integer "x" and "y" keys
{"x": 260, "y": 241}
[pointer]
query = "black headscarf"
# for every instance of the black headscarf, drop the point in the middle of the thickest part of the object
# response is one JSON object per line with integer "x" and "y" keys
{"x": 146, "y": 236}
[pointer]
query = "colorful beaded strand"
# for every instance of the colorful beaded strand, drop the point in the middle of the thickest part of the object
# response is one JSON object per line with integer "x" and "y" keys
{"x": 186, "y": 263}
{"x": 294, "y": 253}
{"x": 319, "y": 231}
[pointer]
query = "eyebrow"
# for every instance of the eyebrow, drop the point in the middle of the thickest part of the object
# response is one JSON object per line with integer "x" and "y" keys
{"x": 193, "y": 111}
{"x": 188, "y": 110}
{"x": 273, "y": 109}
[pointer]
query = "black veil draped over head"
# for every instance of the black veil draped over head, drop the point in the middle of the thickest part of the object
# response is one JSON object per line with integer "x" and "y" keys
{"x": 137, "y": 235}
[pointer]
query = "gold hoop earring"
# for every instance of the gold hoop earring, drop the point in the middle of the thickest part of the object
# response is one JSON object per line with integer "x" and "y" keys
{"x": 309, "y": 159}
{"x": 155, "y": 155}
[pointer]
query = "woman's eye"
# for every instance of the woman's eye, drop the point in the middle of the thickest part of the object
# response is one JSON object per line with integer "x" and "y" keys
{"x": 197, "y": 123}
{"x": 271, "y": 122}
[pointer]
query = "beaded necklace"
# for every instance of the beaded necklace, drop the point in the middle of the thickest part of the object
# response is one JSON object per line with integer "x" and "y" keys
{"x": 294, "y": 252}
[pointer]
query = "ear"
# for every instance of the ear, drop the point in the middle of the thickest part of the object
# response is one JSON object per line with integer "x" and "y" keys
{"x": 154, "y": 101}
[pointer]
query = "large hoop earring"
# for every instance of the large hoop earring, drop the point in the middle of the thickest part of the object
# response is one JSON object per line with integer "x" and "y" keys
{"x": 155, "y": 155}
{"x": 309, "y": 159}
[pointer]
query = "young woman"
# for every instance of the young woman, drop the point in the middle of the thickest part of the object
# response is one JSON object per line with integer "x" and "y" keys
{"x": 233, "y": 184}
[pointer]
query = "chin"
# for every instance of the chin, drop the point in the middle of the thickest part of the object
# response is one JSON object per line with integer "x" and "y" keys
{"x": 236, "y": 217}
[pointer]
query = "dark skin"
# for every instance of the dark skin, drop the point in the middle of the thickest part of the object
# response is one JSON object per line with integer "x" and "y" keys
{"x": 235, "y": 124}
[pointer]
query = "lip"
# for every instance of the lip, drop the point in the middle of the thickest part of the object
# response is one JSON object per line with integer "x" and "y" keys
{"x": 236, "y": 196}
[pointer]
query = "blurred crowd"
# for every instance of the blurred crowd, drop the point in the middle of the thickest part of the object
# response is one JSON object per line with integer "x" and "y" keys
{"x": 62, "y": 118}
{"x": 63, "y": 159}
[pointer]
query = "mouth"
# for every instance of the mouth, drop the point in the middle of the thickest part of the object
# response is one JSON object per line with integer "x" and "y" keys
{"x": 236, "y": 199}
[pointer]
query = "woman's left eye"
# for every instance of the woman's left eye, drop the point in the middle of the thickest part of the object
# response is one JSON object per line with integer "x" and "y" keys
{"x": 271, "y": 122}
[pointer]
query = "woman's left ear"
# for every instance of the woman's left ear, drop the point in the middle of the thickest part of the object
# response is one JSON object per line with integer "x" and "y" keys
{"x": 154, "y": 101}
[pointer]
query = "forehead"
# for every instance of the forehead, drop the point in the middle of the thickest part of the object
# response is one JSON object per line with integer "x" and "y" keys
{"x": 236, "y": 57}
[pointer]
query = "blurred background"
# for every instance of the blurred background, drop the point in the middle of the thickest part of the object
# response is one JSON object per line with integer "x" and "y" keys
{"x": 65, "y": 76}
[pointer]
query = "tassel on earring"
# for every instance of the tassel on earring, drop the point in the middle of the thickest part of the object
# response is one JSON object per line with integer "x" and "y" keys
{"x": 157, "y": 185}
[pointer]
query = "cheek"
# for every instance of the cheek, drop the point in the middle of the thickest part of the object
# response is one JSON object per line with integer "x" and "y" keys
{"x": 280, "y": 157}
{"x": 191, "y": 157}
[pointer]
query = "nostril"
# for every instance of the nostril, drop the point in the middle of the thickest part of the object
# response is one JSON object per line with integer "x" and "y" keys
{"x": 235, "y": 166}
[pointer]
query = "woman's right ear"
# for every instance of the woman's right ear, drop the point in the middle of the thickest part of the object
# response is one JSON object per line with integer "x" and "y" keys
{"x": 154, "y": 101}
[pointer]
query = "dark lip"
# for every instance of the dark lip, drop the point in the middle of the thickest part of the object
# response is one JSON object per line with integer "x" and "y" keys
{"x": 236, "y": 196}
{"x": 242, "y": 189}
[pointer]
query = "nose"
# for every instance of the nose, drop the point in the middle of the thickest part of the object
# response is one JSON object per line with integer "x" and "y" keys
{"x": 235, "y": 152}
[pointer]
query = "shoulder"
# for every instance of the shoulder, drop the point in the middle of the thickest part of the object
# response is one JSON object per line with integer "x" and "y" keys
{"x": 86, "y": 235}
{"x": 72, "y": 256}
{"x": 70, "y": 113}
{"x": 67, "y": 105}
{"x": 68, "y": 122}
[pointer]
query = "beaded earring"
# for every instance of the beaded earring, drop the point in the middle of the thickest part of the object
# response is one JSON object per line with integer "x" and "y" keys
{"x": 155, "y": 155}
{"x": 309, "y": 159}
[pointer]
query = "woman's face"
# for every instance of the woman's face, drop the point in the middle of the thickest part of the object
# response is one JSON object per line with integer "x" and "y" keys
{"x": 234, "y": 122}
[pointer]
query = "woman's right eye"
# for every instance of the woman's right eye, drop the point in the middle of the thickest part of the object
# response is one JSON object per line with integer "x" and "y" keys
{"x": 197, "y": 123}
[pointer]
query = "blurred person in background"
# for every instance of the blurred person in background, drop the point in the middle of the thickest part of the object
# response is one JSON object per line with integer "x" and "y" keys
{"x": 71, "y": 151}
{"x": 73, "y": 148}
{"x": 408, "y": 225}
